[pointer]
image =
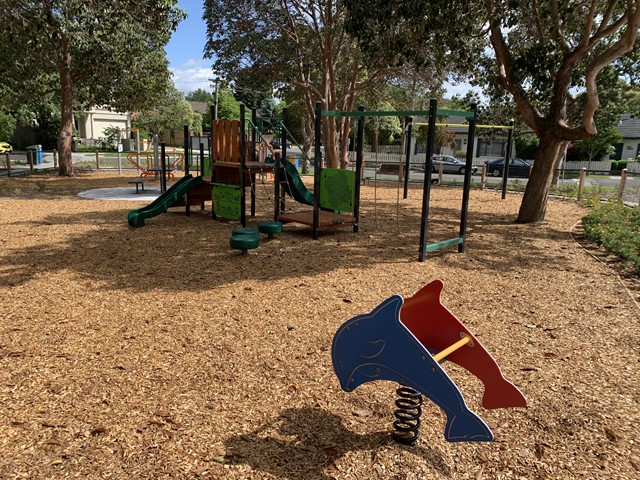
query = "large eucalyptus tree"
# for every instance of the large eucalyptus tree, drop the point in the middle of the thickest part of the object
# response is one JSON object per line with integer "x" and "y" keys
{"x": 85, "y": 52}
{"x": 544, "y": 53}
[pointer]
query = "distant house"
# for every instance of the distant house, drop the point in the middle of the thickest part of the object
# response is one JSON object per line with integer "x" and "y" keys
{"x": 92, "y": 124}
{"x": 488, "y": 144}
{"x": 629, "y": 148}
{"x": 200, "y": 107}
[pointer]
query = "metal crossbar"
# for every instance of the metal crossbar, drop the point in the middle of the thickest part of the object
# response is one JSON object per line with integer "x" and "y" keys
{"x": 399, "y": 113}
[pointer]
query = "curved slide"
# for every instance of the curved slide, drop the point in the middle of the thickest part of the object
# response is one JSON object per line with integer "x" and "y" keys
{"x": 295, "y": 187}
{"x": 160, "y": 205}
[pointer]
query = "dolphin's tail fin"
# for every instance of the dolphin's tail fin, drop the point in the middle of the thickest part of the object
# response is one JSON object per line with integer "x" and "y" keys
{"x": 467, "y": 427}
{"x": 502, "y": 394}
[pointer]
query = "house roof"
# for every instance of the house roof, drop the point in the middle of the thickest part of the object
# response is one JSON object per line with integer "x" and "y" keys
{"x": 629, "y": 126}
{"x": 200, "y": 107}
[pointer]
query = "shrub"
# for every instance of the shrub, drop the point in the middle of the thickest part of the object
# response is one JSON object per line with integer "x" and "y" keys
{"x": 617, "y": 228}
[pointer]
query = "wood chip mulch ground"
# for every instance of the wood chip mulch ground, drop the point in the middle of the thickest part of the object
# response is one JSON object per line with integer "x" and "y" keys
{"x": 160, "y": 353}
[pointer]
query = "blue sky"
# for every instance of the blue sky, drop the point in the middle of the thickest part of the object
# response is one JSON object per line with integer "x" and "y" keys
{"x": 184, "y": 50}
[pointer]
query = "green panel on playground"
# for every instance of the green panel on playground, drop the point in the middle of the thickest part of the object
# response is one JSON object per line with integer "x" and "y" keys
{"x": 337, "y": 189}
{"x": 206, "y": 167}
{"x": 227, "y": 201}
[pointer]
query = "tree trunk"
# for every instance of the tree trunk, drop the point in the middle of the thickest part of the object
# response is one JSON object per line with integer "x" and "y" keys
{"x": 534, "y": 202}
{"x": 65, "y": 137}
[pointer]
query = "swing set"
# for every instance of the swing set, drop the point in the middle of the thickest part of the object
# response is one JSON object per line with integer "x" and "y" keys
{"x": 342, "y": 183}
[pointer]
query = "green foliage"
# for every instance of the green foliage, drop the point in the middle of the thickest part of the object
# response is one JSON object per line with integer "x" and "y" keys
{"x": 199, "y": 95}
{"x": 598, "y": 146}
{"x": 111, "y": 137}
{"x": 526, "y": 146}
{"x": 382, "y": 129}
{"x": 7, "y": 126}
{"x": 85, "y": 53}
{"x": 617, "y": 228}
{"x": 228, "y": 106}
{"x": 48, "y": 128}
{"x": 170, "y": 114}
{"x": 112, "y": 51}
{"x": 618, "y": 166}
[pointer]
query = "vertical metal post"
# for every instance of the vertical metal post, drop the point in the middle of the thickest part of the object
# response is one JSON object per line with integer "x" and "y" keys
{"x": 254, "y": 116}
{"x": 467, "y": 177}
{"x": 283, "y": 196}
{"x": 215, "y": 105}
{"x": 119, "y": 147}
{"x": 187, "y": 156}
{"x": 185, "y": 159}
{"x": 426, "y": 189}
{"x": 243, "y": 152}
{"x": 359, "y": 168}
{"x": 163, "y": 169}
{"x": 212, "y": 150}
{"x": 407, "y": 157}
{"x": 507, "y": 162}
{"x": 316, "y": 172}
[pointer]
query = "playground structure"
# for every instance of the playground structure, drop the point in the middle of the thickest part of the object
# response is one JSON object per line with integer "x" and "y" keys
{"x": 395, "y": 342}
{"x": 233, "y": 165}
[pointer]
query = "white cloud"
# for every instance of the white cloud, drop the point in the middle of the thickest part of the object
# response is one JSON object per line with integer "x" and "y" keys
{"x": 191, "y": 75}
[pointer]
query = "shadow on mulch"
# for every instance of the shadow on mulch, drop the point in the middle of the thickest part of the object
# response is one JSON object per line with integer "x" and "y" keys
{"x": 178, "y": 253}
{"x": 315, "y": 440}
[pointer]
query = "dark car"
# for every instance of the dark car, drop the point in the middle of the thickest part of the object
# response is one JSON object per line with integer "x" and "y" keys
{"x": 517, "y": 167}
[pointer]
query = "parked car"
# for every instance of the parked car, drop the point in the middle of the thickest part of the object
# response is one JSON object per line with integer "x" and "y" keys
{"x": 449, "y": 165}
{"x": 517, "y": 167}
{"x": 5, "y": 147}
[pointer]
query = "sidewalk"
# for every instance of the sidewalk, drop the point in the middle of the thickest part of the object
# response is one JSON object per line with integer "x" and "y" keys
{"x": 23, "y": 167}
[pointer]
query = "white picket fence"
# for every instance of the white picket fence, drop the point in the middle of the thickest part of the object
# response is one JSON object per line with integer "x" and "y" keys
{"x": 373, "y": 158}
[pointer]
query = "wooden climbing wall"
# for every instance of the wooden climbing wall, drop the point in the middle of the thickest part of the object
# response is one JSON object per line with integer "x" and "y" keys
{"x": 226, "y": 142}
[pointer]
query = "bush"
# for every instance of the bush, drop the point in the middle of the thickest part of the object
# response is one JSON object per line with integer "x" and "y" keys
{"x": 526, "y": 146}
{"x": 617, "y": 228}
{"x": 618, "y": 165}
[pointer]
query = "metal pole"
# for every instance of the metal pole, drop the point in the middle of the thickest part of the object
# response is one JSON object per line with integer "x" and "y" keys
{"x": 215, "y": 111}
{"x": 254, "y": 116}
{"x": 316, "y": 173}
{"x": 507, "y": 161}
{"x": 426, "y": 189}
{"x": 243, "y": 146}
{"x": 212, "y": 149}
{"x": 163, "y": 169}
{"x": 467, "y": 177}
{"x": 119, "y": 147}
{"x": 359, "y": 168}
{"x": 407, "y": 158}
{"x": 186, "y": 157}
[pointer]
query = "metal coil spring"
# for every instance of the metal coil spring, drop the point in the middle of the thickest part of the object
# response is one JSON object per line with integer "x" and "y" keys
{"x": 407, "y": 423}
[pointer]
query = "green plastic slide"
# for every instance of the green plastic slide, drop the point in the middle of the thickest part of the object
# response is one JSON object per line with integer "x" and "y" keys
{"x": 296, "y": 188}
{"x": 160, "y": 205}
